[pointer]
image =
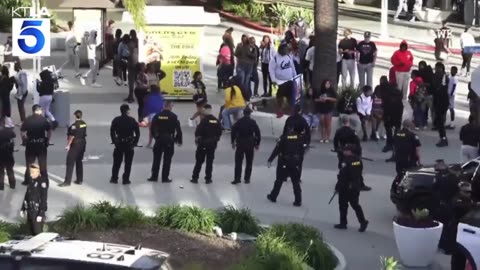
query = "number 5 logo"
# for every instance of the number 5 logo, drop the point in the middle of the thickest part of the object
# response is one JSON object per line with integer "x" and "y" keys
{"x": 31, "y": 37}
{"x": 30, "y": 28}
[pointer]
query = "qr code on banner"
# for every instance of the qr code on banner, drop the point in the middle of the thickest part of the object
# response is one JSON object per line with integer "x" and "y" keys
{"x": 182, "y": 78}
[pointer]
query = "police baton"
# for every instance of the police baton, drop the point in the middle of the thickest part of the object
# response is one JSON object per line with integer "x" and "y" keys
{"x": 333, "y": 196}
{"x": 363, "y": 158}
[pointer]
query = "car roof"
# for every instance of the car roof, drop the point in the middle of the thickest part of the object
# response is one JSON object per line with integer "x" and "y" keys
{"x": 51, "y": 246}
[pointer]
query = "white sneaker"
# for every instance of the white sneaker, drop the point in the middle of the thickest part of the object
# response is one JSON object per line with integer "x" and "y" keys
{"x": 82, "y": 80}
{"x": 9, "y": 122}
{"x": 412, "y": 19}
{"x": 384, "y": 136}
{"x": 396, "y": 19}
{"x": 96, "y": 85}
{"x": 191, "y": 123}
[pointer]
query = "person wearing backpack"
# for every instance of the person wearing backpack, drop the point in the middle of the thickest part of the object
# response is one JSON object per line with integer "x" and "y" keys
{"x": 417, "y": 100}
{"x": 426, "y": 72}
{"x": 377, "y": 109}
{"x": 440, "y": 102}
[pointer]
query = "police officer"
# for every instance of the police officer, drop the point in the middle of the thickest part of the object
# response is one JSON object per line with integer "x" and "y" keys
{"x": 35, "y": 201}
{"x": 290, "y": 150}
{"x": 207, "y": 135}
{"x": 245, "y": 138}
{"x": 36, "y": 133}
{"x": 7, "y": 161}
{"x": 345, "y": 135}
{"x": 348, "y": 188}
{"x": 446, "y": 185}
{"x": 406, "y": 148}
{"x": 296, "y": 121}
{"x": 165, "y": 128}
{"x": 76, "y": 143}
{"x": 125, "y": 134}
{"x": 463, "y": 203}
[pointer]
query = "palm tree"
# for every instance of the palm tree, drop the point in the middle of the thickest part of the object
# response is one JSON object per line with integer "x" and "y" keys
{"x": 326, "y": 23}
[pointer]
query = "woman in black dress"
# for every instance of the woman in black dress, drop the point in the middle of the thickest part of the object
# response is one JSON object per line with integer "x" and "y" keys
{"x": 325, "y": 99}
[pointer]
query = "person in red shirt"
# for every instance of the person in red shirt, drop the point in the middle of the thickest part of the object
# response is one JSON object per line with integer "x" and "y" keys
{"x": 402, "y": 61}
{"x": 417, "y": 98}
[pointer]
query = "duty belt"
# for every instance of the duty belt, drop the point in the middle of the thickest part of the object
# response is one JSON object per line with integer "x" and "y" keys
{"x": 125, "y": 140}
{"x": 39, "y": 140}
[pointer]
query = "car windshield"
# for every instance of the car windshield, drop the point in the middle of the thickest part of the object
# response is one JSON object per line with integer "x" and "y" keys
{"x": 152, "y": 262}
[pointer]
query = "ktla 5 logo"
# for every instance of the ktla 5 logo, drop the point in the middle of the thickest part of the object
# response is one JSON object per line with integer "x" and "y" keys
{"x": 31, "y": 37}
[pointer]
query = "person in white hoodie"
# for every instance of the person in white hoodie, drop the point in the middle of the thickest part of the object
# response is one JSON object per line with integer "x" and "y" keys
{"x": 282, "y": 71}
{"x": 71, "y": 47}
{"x": 466, "y": 39}
{"x": 92, "y": 59}
{"x": 364, "y": 111}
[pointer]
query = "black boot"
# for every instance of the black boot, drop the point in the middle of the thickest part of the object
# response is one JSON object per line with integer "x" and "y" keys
{"x": 340, "y": 226}
{"x": 442, "y": 143}
{"x": 363, "y": 226}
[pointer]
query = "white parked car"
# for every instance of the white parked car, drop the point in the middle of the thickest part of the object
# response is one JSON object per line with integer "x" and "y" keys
{"x": 48, "y": 251}
{"x": 468, "y": 237}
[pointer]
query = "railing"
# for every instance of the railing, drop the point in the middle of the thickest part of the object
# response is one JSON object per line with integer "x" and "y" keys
{"x": 293, "y": 3}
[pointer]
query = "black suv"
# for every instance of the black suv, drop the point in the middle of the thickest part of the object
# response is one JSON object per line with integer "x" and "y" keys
{"x": 415, "y": 189}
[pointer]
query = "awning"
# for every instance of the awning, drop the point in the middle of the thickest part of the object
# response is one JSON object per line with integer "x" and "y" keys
{"x": 107, "y": 4}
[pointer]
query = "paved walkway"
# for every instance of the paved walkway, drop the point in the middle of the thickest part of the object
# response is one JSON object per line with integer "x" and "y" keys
{"x": 101, "y": 105}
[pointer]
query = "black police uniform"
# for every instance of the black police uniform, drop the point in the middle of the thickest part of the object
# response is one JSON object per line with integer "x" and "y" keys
{"x": 405, "y": 150}
{"x": 346, "y": 136}
{"x": 245, "y": 136}
{"x": 165, "y": 128}
{"x": 446, "y": 185}
{"x": 298, "y": 123}
{"x": 348, "y": 188}
{"x": 290, "y": 150}
{"x": 207, "y": 134}
{"x": 35, "y": 204}
{"x": 77, "y": 149}
{"x": 36, "y": 143}
{"x": 6, "y": 157}
{"x": 125, "y": 134}
{"x": 462, "y": 207}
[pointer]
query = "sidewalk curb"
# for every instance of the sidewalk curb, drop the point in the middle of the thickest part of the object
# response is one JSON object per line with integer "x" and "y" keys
{"x": 342, "y": 263}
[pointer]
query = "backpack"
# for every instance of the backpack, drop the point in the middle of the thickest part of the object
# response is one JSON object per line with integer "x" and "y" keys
{"x": 420, "y": 93}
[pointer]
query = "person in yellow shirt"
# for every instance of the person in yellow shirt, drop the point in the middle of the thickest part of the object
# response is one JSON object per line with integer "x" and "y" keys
{"x": 234, "y": 104}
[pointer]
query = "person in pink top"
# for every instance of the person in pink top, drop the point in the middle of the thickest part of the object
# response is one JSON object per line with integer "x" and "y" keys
{"x": 402, "y": 61}
{"x": 225, "y": 61}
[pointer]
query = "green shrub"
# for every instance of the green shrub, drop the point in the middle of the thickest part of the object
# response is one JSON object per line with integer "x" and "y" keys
{"x": 7, "y": 230}
{"x": 257, "y": 12}
{"x": 80, "y": 218}
{"x": 238, "y": 220}
{"x": 164, "y": 215}
{"x": 129, "y": 216}
{"x": 308, "y": 240}
{"x": 275, "y": 253}
{"x": 186, "y": 218}
{"x": 6, "y": 12}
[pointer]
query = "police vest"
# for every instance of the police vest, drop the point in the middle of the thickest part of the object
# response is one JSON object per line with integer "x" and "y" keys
{"x": 293, "y": 147}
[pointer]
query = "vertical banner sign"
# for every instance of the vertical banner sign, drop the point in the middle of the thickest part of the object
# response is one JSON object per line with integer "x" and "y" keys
{"x": 297, "y": 89}
{"x": 178, "y": 49}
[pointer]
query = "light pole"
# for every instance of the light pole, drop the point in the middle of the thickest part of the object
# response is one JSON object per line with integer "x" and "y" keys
{"x": 384, "y": 20}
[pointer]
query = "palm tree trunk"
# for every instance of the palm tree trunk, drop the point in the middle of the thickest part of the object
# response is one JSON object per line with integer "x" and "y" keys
{"x": 326, "y": 23}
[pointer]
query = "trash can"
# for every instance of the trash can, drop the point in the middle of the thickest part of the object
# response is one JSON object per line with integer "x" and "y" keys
{"x": 61, "y": 107}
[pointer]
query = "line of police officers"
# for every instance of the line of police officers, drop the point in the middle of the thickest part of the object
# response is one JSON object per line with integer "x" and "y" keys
{"x": 165, "y": 128}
